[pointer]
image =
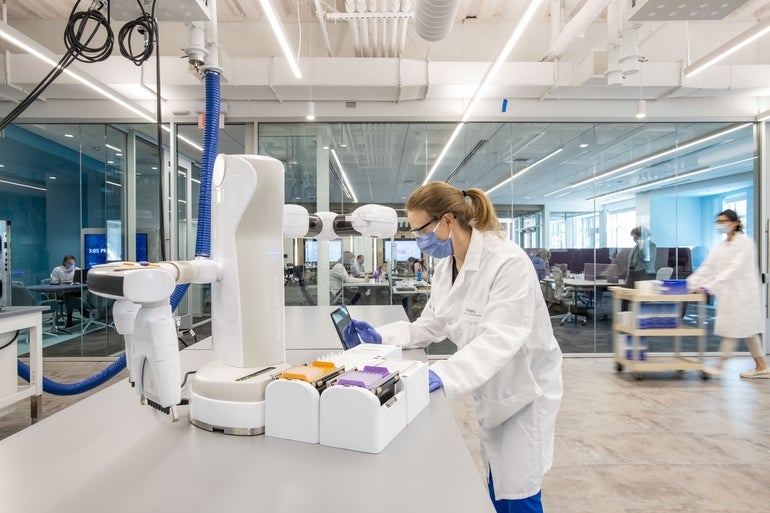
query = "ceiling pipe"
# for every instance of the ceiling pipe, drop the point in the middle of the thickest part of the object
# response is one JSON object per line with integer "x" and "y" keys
{"x": 556, "y": 22}
{"x": 393, "y": 50}
{"x": 324, "y": 31}
{"x": 373, "y": 30}
{"x": 434, "y": 20}
{"x": 363, "y": 25}
{"x": 614, "y": 71}
{"x": 574, "y": 29}
{"x": 406, "y": 6}
{"x": 350, "y": 7}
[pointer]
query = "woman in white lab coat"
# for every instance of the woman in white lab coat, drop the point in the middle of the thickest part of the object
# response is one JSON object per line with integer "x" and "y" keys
{"x": 730, "y": 272}
{"x": 486, "y": 299}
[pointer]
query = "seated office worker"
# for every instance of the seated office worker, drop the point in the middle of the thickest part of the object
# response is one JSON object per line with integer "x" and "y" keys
{"x": 357, "y": 267}
{"x": 486, "y": 299}
{"x": 339, "y": 275}
{"x": 65, "y": 273}
{"x": 731, "y": 273}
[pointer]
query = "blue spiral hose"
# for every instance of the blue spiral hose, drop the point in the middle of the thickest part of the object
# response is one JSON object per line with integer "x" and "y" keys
{"x": 202, "y": 242}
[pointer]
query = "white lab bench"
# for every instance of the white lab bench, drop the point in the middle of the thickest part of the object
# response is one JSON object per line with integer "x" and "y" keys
{"x": 12, "y": 319}
{"x": 108, "y": 453}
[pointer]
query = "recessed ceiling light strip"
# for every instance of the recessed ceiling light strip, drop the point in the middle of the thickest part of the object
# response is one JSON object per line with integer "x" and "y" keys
{"x": 522, "y": 171}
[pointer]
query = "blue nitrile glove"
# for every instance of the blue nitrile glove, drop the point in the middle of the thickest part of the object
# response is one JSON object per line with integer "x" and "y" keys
{"x": 434, "y": 382}
{"x": 350, "y": 335}
{"x": 366, "y": 331}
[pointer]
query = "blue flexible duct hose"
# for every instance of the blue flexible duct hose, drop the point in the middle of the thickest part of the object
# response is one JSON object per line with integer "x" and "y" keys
{"x": 202, "y": 242}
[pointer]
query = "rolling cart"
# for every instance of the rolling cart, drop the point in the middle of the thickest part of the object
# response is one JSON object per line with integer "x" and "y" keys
{"x": 655, "y": 315}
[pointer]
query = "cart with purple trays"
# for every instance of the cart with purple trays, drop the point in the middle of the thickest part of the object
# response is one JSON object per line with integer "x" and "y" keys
{"x": 656, "y": 314}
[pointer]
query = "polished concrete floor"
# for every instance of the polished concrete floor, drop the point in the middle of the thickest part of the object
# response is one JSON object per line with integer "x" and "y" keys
{"x": 667, "y": 443}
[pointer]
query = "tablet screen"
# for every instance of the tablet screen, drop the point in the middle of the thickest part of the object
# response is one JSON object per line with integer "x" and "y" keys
{"x": 341, "y": 319}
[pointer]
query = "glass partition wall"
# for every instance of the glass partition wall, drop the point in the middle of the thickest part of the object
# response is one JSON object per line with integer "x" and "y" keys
{"x": 575, "y": 189}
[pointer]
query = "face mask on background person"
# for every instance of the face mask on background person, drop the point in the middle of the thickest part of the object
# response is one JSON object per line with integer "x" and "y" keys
{"x": 70, "y": 267}
{"x": 433, "y": 246}
{"x": 723, "y": 228}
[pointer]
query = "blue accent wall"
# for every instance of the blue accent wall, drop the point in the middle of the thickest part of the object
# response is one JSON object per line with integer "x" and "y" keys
{"x": 29, "y": 256}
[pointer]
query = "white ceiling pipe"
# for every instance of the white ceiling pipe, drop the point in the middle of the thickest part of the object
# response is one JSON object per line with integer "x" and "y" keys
{"x": 406, "y": 6}
{"x": 350, "y": 6}
{"x": 363, "y": 25}
{"x": 574, "y": 28}
{"x": 322, "y": 23}
{"x": 373, "y": 32}
{"x": 434, "y": 19}
{"x": 395, "y": 6}
{"x": 384, "y": 25}
{"x": 556, "y": 9}
{"x": 614, "y": 72}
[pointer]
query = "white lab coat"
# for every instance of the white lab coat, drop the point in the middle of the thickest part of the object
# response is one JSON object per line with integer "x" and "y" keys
{"x": 730, "y": 273}
{"x": 506, "y": 356}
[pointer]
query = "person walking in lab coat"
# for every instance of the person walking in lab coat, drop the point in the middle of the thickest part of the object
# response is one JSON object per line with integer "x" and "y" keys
{"x": 486, "y": 299}
{"x": 730, "y": 272}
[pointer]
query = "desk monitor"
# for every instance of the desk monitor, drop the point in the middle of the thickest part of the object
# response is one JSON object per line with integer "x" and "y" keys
{"x": 607, "y": 272}
{"x": 311, "y": 250}
{"x": 81, "y": 275}
{"x": 404, "y": 249}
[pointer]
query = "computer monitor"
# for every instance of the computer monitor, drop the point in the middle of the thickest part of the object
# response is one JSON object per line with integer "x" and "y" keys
{"x": 97, "y": 250}
{"x": 601, "y": 271}
{"x": 311, "y": 250}
{"x": 94, "y": 249}
{"x": 141, "y": 247}
{"x": 404, "y": 250}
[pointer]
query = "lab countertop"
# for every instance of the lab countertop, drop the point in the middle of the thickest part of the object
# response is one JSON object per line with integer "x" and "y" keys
{"x": 107, "y": 452}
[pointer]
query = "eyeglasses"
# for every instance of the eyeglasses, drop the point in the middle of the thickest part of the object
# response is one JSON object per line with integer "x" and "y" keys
{"x": 416, "y": 231}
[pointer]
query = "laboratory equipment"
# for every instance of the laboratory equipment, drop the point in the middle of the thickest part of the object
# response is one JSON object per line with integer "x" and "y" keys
{"x": 246, "y": 273}
{"x": 292, "y": 399}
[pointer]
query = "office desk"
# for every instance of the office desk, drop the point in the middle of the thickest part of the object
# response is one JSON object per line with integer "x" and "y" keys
{"x": 13, "y": 318}
{"x": 109, "y": 453}
{"x": 58, "y": 291}
{"x": 371, "y": 285}
{"x": 581, "y": 284}
{"x": 409, "y": 295}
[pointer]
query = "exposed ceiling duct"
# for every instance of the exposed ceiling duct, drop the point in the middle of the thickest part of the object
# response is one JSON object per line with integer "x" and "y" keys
{"x": 434, "y": 19}
{"x": 378, "y": 26}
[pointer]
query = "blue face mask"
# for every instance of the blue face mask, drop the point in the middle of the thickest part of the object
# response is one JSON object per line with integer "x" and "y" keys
{"x": 433, "y": 246}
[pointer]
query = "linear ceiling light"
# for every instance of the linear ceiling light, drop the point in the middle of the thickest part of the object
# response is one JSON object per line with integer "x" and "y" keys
{"x": 662, "y": 181}
{"x": 17, "y": 184}
{"x": 660, "y": 154}
{"x": 730, "y": 47}
{"x": 16, "y": 38}
{"x": 492, "y": 71}
{"x": 521, "y": 172}
{"x": 280, "y": 35}
{"x": 344, "y": 176}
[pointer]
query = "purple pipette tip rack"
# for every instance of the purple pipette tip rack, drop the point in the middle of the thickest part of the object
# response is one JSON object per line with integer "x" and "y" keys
{"x": 367, "y": 378}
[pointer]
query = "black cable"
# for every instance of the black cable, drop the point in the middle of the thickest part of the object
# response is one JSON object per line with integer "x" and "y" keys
{"x": 77, "y": 48}
{"x": 146, "y": 28}
{"x": 10, "y": 341}
{"x": 76, "y": 28}
{"x": 159, "y": 136}
{"x": 186, "y": 374}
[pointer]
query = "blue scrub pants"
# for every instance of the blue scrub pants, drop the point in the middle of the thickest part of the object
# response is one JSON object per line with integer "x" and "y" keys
{"x": 529, "y": 505}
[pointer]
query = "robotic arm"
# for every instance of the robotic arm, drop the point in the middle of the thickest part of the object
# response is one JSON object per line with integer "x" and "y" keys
{"x": 246, "y": 273}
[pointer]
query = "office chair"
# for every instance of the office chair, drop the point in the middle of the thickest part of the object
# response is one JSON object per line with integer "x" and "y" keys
{"x": 566, "y": 296}
{"x": 664, "y": 273}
